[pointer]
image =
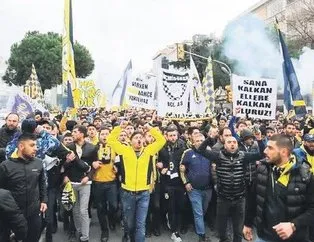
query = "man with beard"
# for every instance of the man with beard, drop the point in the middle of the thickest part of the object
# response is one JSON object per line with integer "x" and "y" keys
{"x": 7, "y": 132}
{"x": 282, "y": 203}
{"x": 230, "y": 168}
{"x": 170, "y": 157}
{"x": 290, "y": 130}
{"x": 97, "y": 123}
{"x": 24, "y": 177}
{"x": 77, "y": 171}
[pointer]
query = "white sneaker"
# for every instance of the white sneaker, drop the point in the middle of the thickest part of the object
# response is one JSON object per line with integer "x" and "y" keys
{"x": 176, "y": 237}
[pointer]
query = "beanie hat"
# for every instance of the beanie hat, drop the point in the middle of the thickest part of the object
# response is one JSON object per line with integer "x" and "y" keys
{"x": 28, "y": 126}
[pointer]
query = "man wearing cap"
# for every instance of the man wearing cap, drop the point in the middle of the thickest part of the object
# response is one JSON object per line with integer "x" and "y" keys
{"x": 248, "y": 144}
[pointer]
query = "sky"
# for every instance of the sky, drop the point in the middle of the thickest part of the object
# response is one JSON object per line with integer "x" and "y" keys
{"x": 116, "y": 31}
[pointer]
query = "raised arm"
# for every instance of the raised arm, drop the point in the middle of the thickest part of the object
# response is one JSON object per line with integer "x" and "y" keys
{"x": 159, "y": 142}
{"x": 209, "y": 154}
{"x": 113, "y": 141}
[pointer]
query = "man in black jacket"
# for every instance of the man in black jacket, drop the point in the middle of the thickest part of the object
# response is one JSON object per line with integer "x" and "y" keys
{"x": 24, "y": 177}
{"x": 7, "y": 132}
{"x": 77, "y": 171}
{"x": 170, "y": 157}
{"x": 283, "y": 201}
{"x": 230, "y": 167}
{"x": 11, "y": 218}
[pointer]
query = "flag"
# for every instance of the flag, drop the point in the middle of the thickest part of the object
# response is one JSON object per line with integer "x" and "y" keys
{"x": 208, "y": 86}
{"x": 291, "y": 85}
{"x": 21, "y": 106}
{"x": 118, "y": 93}
{"x": 68, "y": 65}
{"x": 32, "y": 87}
{"x": 197, "y": 100}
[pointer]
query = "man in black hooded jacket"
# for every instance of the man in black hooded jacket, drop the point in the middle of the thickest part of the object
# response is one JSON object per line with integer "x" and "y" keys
{"x": 24, "y": 176}
{"x": 11, "y": 218}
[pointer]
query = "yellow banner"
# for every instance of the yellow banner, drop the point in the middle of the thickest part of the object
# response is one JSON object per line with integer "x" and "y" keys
{"x": 89, "y": 95}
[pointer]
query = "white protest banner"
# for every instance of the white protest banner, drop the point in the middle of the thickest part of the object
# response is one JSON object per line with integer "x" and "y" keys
{"x": 140, "y": 92}
{"x": 173, "y": 93}
{"x": 254, "y": 97}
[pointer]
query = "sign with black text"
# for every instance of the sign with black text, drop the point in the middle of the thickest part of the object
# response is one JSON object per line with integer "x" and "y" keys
{"x": 141, "y": 92}
{"x": 254, "y": 97}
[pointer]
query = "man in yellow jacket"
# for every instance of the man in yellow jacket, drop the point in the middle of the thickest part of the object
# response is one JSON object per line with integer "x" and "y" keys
{"x": 136, "y": 167}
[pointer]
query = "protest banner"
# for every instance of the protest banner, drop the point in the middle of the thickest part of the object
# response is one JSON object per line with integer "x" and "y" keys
{"x": 88, "y": 93}
{"x": 141, "y": 92}
{"x": 21, "y": 106}
{"x": 254, "y": 97}
{"x": 173, "y": 90}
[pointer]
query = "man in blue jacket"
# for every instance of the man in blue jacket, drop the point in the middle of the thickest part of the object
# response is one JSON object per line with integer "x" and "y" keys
{"x": 195, "y": 172}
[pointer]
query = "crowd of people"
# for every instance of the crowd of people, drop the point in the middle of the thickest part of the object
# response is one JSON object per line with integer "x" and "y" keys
{"x": 151, "y": 175}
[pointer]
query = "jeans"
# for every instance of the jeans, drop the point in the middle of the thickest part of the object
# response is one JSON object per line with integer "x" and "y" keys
{"x": 199, "y": 200}
{"x": 135, "y": 207}
{"x": 234, "y": 209}
{"x": 34, "y": 228}
{"x": 106, "y": 192}
{"x": 80, "y": 209}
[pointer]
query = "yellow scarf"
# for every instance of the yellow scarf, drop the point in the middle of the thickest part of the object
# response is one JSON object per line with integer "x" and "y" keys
{"x": 285, "y": 175}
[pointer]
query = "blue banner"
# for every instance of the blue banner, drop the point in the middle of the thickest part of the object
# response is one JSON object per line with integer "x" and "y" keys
{"x": 22, "y": 107}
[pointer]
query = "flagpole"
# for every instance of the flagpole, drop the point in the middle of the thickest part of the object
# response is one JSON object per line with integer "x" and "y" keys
{"x": 217, "y": 61}
{"x": 313, "y": 98}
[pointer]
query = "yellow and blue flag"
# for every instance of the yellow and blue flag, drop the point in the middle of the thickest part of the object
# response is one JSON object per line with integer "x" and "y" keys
{"x": 291, "y": 83}
{"x": 68, "y": 65}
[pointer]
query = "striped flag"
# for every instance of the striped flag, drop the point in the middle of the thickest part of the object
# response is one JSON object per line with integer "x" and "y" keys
{"x": 291, "y": 83}
{"x": 68, "y": 65}
{"x": 32, "y": 87}
{"x": 208, "y": 86}
{"x": 118, "y": 94}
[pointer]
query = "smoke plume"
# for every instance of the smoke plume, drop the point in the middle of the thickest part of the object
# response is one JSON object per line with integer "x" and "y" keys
{"x": 250, "y": 43}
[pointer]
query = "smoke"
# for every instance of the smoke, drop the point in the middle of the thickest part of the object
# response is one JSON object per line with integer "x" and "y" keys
{"x": 255, "y": 49}
{"x": 304, "y": 68}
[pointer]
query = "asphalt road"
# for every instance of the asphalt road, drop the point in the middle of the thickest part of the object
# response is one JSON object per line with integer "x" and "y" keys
{"x": 116, "y": 236}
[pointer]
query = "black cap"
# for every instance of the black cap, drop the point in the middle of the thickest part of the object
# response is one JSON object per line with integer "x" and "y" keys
{"x": 309, "y": 137}
{"x": 246, "y": 133}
